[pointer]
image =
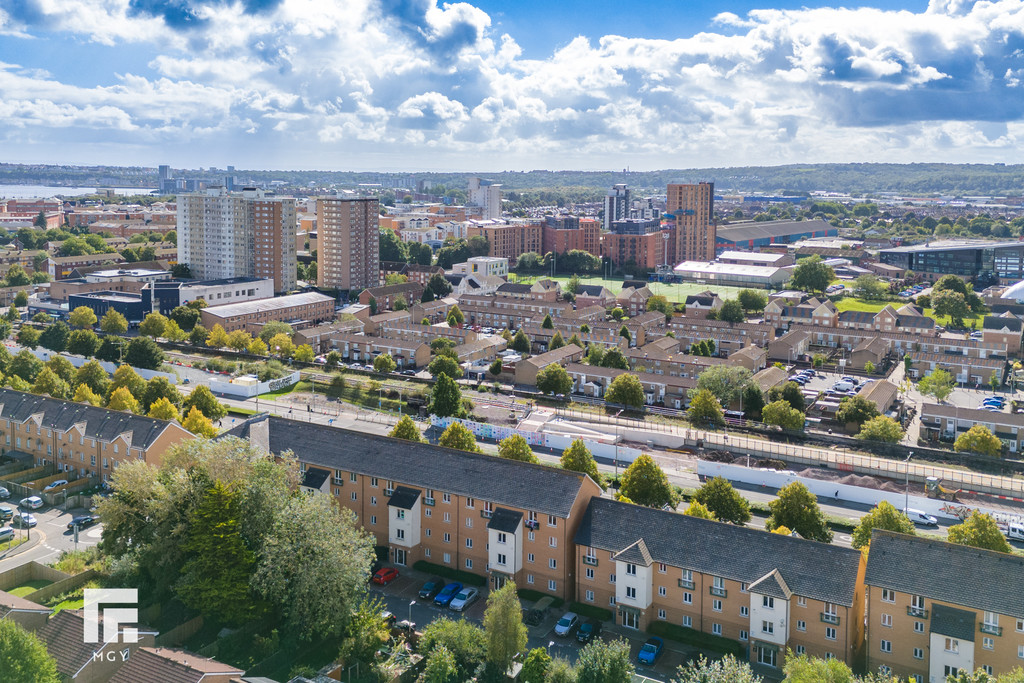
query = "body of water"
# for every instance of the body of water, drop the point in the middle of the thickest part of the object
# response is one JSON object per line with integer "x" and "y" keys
{"x": 45, "y": 192}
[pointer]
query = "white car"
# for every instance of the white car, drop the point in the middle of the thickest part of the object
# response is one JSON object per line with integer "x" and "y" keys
{"x": 54, "y": 484}
{"x": 32, "y": 502}
{"x": 566, "y": 624}
{"x": 23, "y": 520}
{"x": 465, "y": 598}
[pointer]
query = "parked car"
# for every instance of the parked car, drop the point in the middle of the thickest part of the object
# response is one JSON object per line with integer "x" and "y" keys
{"x": 54, "y": 484}
{"x": 588, "y": 631}
{"x": 465, "y": 598}
{"x": 994, "y": 399}
{"x": 6, "y": 534}
{"x": 385, "y": 576}
{"x": 447, "y": 594}
{"x": 23, "y": 520}
{"x": 6, "y": 513}
{"x": 565, "y": 625}
{"x": 4, "y": 493}
{"x": 82, "y": 521}
{"x": 32, "y": 502}
{"x": 650, "y": 651}
{"x": 431, "y": 588}
{"x": 920, "y": 518}
{"x": 1014, "y": 532}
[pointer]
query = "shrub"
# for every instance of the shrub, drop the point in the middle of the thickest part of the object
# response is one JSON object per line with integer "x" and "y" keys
{"x": 591, "y": 611}
{"x": 448, "y": 573}
{"x": 531, "y": 595}
{"x": 689, "y": 636}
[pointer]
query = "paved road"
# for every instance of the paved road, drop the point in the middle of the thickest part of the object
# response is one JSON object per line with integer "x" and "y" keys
{"x": 53, "y": 538}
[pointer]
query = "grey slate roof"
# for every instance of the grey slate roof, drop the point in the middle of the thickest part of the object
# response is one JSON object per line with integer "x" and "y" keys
{"x": 861, "y": 317}
{"x": 956, "y": 574}
{"x": 637, "y": 553}
{"x": 505, "y": 520}
{"x": 522, "y": 485}
{"x": 998, "y": 322}
{"x": 769, "y": 229}
{"x": 514, "y": 287}
{"x": 810, "y": 569}
{"x": 315, "y": 477}
{"x": 100, "y": 423}
{"x": 952, "y": 622}
{"x": 771, "y": 584}
{"x": 403, "y": 498}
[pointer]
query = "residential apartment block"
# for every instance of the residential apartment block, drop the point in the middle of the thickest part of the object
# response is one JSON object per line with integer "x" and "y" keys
{"x": 693, "y": 207}
{"x": 570, "y": 233}
{"x": 487, "y": 195}
{"x": 509, "y": 239}
{"x": 306, "y": 308}
{"x": 946, "y": 422}
{"x": 348, "y": 241}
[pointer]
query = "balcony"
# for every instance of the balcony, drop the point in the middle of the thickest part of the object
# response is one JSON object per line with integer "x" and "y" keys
{"x": 718, "y": 592}
{"x": 683, "y": 583}
{"x": 919, "y": 612}
{"x": 429, "y": 502}
{"x": 992, "y": 629}
{"x": 830, "y": 618}
{"x": 486, "y": 514}
{"x": 532, "y": 524}
{"x": 588, "y": 559}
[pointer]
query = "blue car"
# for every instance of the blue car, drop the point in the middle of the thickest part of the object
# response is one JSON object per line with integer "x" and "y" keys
{"x": 447, "y": 594}
{"x": 651, "y": 650}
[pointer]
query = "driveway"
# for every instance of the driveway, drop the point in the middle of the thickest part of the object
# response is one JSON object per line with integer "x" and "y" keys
{"x": 53, "y": 534}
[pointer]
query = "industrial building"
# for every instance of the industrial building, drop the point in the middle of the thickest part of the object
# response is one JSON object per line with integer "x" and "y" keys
{"x": 754, "y": 234}
{"x": 982, "y": 262}
{"x": 732, "y": 275}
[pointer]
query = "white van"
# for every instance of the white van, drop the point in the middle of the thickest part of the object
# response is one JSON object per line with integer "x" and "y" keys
{"x": 1015, "y": 532}
{"x": 842, "y": 386}
{"x": 920, "y": 518}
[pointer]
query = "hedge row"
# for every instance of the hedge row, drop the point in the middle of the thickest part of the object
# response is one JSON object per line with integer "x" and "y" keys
{"x": 466, "y": 578}
{"x": 591, "y": 611}
{"x": 531, "y": 595}
{"x": 689, "y": 636}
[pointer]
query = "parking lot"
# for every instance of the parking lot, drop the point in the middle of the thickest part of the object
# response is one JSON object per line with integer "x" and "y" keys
{"x": 51, "y": 534}
{"x": 402, "y": 600}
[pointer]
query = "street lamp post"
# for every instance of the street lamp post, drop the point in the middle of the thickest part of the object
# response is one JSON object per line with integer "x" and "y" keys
{"x": 906, "y": 483}
{"x": 411, "y": 603}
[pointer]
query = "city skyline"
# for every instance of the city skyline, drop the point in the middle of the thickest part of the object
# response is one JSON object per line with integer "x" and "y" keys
{"x": 422, "y": 86}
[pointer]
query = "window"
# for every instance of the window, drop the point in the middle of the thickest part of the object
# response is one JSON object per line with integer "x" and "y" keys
{"x": 918, "y": 653}
{"x": 687, "y": 598}
{"x": 590, "y": 572}
{"x": 611, "y": 578}
{"x": 400, "y": 514}
{"x": 885, "y": 670}
{"x": 768, "y": 627}
{"x": 502, "y": 537}
{"x": 887, "y": 620}
{"x": 469, "y": 542}
{"x": 552, "y": 585}
{"x": 373, "y": 482}
{"x": 590, "y": 596}
{"x": 1020, "y": 651}
{"x": 469, "y": 522}
{"x": 800, "y": 649}
{"x": 427, "y": 532}
{"x": 918, "y": 627}
{"x": 531, "y": 536}
{"x": 661, "y": 614}
{"x": 917, "y": 606}
{"x": 688, "y": 621}
{"x": 767, "y": 602}
{"x": 631, "y": 592}
{"x": 552, "y": 563}
{"x": 718, "y": 586}
{"x": 988, "y": 643}
{"x": 631, "y": 569}
{"x": 553, "y": 542}
{"x": 469, "y": 563}
{"x": 353, "y": 477}
{"x": 830, "y": 633}
{"x": 529, "y": 578}
{"x": 447, "y": 558}
{"x": 611, "y": 601}
{"x": 716, "y": 605}
{"x": 950, "y": 671}
{"x": 744, "y": 611}
{"x": 447, "y": 517}
{"x": 886, "y": 646}
{"x": 888, "y": 595}
{"x": 470, "y": 503}
{"x": 446, "y": 497}
{"x": 426, "y": 552}
{"x": 427, "y": 512}
{"x": 373, "y": 519}
{"x": 662, "y": 568}
{"x": 529, "y": 557}
{"x": 687, "y": 579}
{"x": 662, "y": 591}
{"x": 716, "y": 629}
{"x": 552, "y": 520}
{"x": 400, "y": 534}
{"x": 952, "y": 645}
{"x": 353, "y": 495}
{"x": 766, "y": 656}
{"x": 1020, "y": 625}
{"x": 987, "y": 669}
{"x": 447, "y": 538}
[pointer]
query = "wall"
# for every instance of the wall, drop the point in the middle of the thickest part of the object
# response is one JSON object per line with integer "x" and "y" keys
{"x": 248, "y": 391}
{"x": 30, "y": 571}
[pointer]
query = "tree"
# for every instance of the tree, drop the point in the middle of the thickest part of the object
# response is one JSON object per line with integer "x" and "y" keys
{"x": 125, "y": 376}
{"x": 156, "y": 389}
{"x": 503, "y": 624}
{"x": 93, "y": 375}
{"x": 804, "y": 669}
{"x": 197, "y": 423}
{"x": 239, "y": 340}
{"x": 186, "y": 317}
{"x": 153, "y": 325}
{"x": 28, "y": 337}
{"x": 752, "y": 401}
{"x": 110, "y": 349}
{"x": 578, "y": 458}
{"x": 407, "y": 430}
{"x": 333, "y": 359}
{"x": 797, "y": 508}
{"x": 441, "y": 666}
{"x": 444, "y": 365}
{"x": 725, "y": 670}
{"x": 979, "y": 531}
{"x": 515, "y": 447}
{"x": 496, "y": 366}
{"x": 752, "y": 300}
{"x": 218, "y": 337}
{"x": 314, "y": 565}
{"x": 731, "y": 312}
{"x": 274, "y": 328}
{"x": 726, "y": 382}
{"x": 789, "y": 392}
{"x": 83, "y": 394}
{"x": 556, "y": 342}
{"x": 391, "y": 247}
{"x": 696, "y": 509}
{"x": 198, "y": 335}
{"x": 951, "y": 283}
{"x": 868, "y": 286}
{"x": 978, "y": 439}
{"x": 143, "y": 352}
{"x": 595, "y": 355}
{"x": 882, "y": 516}
{"x": 554, "y": 379}
{"x": 23, "y": 656}
{"x": 521, "y": 343}
{"x": 466, "y": 641}
{"x": 869, "y": 368}
{"x": 113, "y": 323}
{"x": 659, "y": 303}
{"x": 303, "y": 353}
{"x": 458, "y": 437}
{"x": 17, "y": 277}
{"x": 626, "y": 390}
{"x": 83, "y": 343}
{"x": 122, "y": 399}
{"x": 400, "y": 304}
{"x": 604, "y": 662}
{"x": 535, "y": 667}
{"x": 938, "y": 383}
{"x": 445, "y": 397}
{"x": 723, "y": 501}
{"x": 202, "y": 398}
{"x": 455, "y": 317}
{"x": 993, "y": 381}
{"x": 625, "y": 334}
{"x": 618, "y": 314}
{"x": 952, "y": 304}
{"x": 812, "y": 275}
{"x": 781, "y": 414}
{"x": 384, "y": 364}
{"x": 215, "y": 579}
{"x": 645, "y": 483}
{"x": 280, "y": 345}
{"x": 881, "y": 428}
{"x": 162, "y": 409}
{"x": 560, "y": 671}
{"x": 55, "y": 337}
{"x": 258, "y": 348}
{"x": 26, "y": 366}
{"x": 63, "y": 368}
{"x": 48, "y": 383}
{"x": 705, "y": 410}
{"x": 613, "y": 358}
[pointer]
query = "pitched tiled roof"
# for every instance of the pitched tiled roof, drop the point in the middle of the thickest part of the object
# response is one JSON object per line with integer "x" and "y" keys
{"x": 100, "y": 423}
{"x": 315, "y": 477}
{"x": 956, "y": 574}
{"x": 858, "y": 317}
{"x": 636, "y": 553}
{"x": 404, "y": 498}
{"x": 12, "y": 603}
{"x": 771, "y": 584}
{"x": 63, "y": 636}
{"x": 810, "y": 569}
{"x": 952, "y": 622}
{"x": 547, "y": 490}
{"x": 915, "y": 322}
{"x": 505, "y": 520}
{"x": 514, "y": 288}
{"x": 999, "y": 322}
{"x": 162, "y": 665}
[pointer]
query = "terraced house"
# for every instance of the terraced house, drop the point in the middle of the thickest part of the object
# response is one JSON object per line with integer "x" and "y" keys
{"x": 767, "y": 591}
{"x": 497, "y": 518}
{"x": 935, "y": 608}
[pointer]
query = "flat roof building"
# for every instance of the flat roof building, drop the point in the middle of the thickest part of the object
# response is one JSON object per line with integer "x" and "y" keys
{"x": 731, "y": 274}
{"x": 753, "y": 234}
{"x": 977, "y": 260}
{"x": 308, "y": 307}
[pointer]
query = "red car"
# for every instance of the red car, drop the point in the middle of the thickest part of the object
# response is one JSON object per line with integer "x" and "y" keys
{"x": 385, "y": 576}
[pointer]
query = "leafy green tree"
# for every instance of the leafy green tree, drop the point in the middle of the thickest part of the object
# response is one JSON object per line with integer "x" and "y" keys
{"x": 161, "y": 409}
{"x": 455, "y": 318}
{"x": 789, "y": 392}
{"x": 125, "y": 376}
{"x": 978, "y": 439}
{"x": 556, "y": 342}
{"x": 699, "y": 510}
{"x": 26, "y": 366}
{"x": 547, "y": 324}
{"x": 613, "y": 358}
{"x": 618, "y": 313}
{"x": 781, "y": 414}
{"x": 603, "y": 662}
{"x": 705, "y": 410}
{"x": 503, "y": 624}
{"x": 441, "y": 666}
{"x": 724, "y": 502}
{"x": 554, "y": 379}
{"x": 578, "y": 458}
{"x": 466, "y": 641}
{"x": 28, "y": 336}
{"x": 881, "y": 428}
{"x": 113, "y": 323}
{"x": 143, "y": 352}
{"x": 203, "y": 399}
{"x": 645, "y": 483}
{"x": 752, "y": 300}
{"x": 731, "y": 312}
{"x": 882, "y": 516}
{"x": 218, "y": 338}
{"x": 83, "y": 343}
{"x": 239, "y": 340}
{"x": 446, "y": 398}
{"x": 63, "y": 368}
{"x": 122, "y": 399}
{"x": 869, "y": 368}
{"x": 186, "y": 317}
{"x": 439, "y": 286}
{"x": 535, "y": 667}
{"x": 752, "y": 401}
{"x": 725, "y": 670}
{"x": 797, "y": 508}
{"x": 812, "y": 275}
{"x": 333, "y": 359}
{"x": 560, "y": 671}
{"x": 445, "y": 365}
{"x": 48, "y": 383}
{"x": 804, "y": 669}
{"x": 384, "y": 364}
{"x": 952, "y": 304}
{"x": 625, "y": 334}
{"x": 23, "y": 656}
{"x": 17, "y": 277}
{"x": 391, "y": 247}
{"x": 515, "y": 447}
{"x": 215, "y": 579}
{"x": 153, "y": 325}
{"x": 726, "y": 382}
{"x": 407, "y": 430}
{"x": 274, "y": 328}
{"x": 521, "y": 343}
{"x": 595, "y": 355}
{"x": 626, "y": 390}
{"x": 495, "y": 368}
{"x": 868, "y": 286}
{"x": 659, "y": 303}
{"x": 313, "y": 566}
{"x": 93, "y": 375}
{"x": 55, "y": 337}
{"x": 258, "y": 348}
{"x": 459, "y": 437}
{"x": 198, "y": 335}
{"x": 194, "y": 421}
{"x": 156, "y": 389}
{"x": 980, "y": 531}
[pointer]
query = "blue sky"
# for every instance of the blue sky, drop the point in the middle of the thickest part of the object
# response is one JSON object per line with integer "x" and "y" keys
{"x": 489, "y": 85}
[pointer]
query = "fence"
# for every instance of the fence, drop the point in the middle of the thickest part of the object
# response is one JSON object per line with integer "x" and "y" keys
{"x": 78, "y": 361}
{"x": 60, "y": 587}
{"x": 250, "y": 390}
{"x": 180, "y": 633}
{"x": 30, "y": 571}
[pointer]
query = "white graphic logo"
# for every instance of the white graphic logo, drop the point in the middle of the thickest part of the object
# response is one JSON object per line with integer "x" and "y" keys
{"x": 113, "y": 617}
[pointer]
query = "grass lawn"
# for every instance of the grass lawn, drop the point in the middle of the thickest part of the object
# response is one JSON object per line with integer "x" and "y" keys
{"x": 676, "y": 292}
{"x": 71, "y": 603}
{"x": 298, "y": 386}
{"x": 850, "y": 304}
{"x": 29, "y": 587}
{"x": 240, "y": 411}
{"x": 944, "y": 320}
